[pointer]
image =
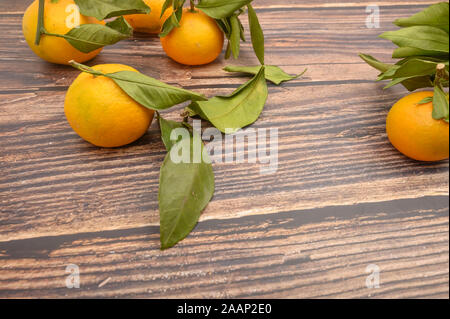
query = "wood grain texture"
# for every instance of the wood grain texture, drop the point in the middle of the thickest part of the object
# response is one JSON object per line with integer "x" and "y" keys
{"x": 341, "y": 199}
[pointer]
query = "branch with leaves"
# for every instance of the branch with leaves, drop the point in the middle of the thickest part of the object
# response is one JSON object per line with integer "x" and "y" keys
{"x": 423, "y": 50}
{"x": 185, "y": 189}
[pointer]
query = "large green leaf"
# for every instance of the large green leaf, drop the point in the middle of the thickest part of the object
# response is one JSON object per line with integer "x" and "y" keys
{"x": 185, "y": 189}
{"x": 436, "y": 15}
{"x": 89, "y": 37}
{"x": 145, "y": 90}
{"x": 220, "y": 9}
{"x": 256, "y": 34}
{"x": 104, "y": 9}
{"x": 420, "y": 37}
{"x": 242, "y": 108}
{"x": 273, "y": 73}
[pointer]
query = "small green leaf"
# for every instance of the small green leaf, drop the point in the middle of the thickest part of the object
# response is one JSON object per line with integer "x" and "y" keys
{"x": 273, "y": 73}
{"x": 166, "y": 128}
{"x": 242, "y": 108}
{"x": 440, "y": 105}
{"x": 166, "y": 5}
{"x": 417, "y": 83}
{"x": 121, "y": 25}
{"x": 89, "y": 37}
{"x": 145, "y": 90}
{"x": 436, "y": 15}
{"x": 416, "y": 67}
{"x": 235, "y": 36}
{"x": 426, "y": 100}
{"x": 380, "y": 66}
{"x": 405, "y": 52}
{"x": 420, "y": 37}
{"x": 414, "y": 73}
{"x": 224, "y": 26}
{"x": 389, "y": 74}
{"x": 242, "y": 30}
{"x": 256, "y": 34}
{"x": 220, "y": 9}
{"x": 185, "y": 189}
{"x": 104, "y": 9}
{"x": 172, "y": 22}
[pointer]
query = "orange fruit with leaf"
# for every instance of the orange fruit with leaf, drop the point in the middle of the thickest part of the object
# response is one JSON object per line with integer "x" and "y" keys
{"x": 413, "y": 131}
{"x": 197, "y": 41}
{"x": 100, "y": 112}
{"x": 57, "y": 14}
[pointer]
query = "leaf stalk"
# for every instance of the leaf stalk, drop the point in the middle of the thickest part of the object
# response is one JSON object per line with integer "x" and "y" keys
{"x": 40, "y": 25}
{"x": 192, "y": 6}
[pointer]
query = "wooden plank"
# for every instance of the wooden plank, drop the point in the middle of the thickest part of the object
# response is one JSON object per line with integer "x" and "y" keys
{"x": 309, "y": 253}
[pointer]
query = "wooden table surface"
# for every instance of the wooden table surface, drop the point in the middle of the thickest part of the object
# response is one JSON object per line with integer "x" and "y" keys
{"x": 342, "y": 199}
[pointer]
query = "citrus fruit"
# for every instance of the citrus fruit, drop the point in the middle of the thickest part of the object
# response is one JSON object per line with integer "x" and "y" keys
{"x": 197, "y": 41}
{"x": 413, "y": 131}
{"x": 101, "y": 113}
{"x": 151, "y": 22}
{"x": 54, "y": 49}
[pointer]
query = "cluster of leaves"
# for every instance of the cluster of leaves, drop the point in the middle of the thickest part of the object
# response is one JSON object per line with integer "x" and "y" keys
{"x": 186, "y": 188}
{"x": 89, "y": 37}
{"x": 423, "y": 50}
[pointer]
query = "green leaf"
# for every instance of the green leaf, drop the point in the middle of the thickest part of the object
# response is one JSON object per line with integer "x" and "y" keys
{"x": 104, "y": 9}
{"x": 166, "y": 5}
{"x": 405, "y": 52}
{"x": 436, "y": 15}
{"x": 241, "y": 27}
{"x": 122, "y": 26}
{"x": 426, "y": 100}
{"x": 172, "y": 22}
{"x": 389, "y": 74}
{"x": 414, "y": 73}
{"x": 273, "y": 73}
{"x": 228, "y": 51}
{"x": 224, "y": 26}
{"x": 380, "y": 66}
{"x": 420, "y": 82}
{"x": 416, "y": 67}
{"x": 256, "y": 33}
{"x": 185, "y": 189}
{"x": 145, "y": 90}
{"x": 242, "y": 108}
{"x": 150, "y": 92}
{"x": 220, "y": 9}
{"x": 235, "y": 36}
{"x": 420, "y": 37}
{"x": 166, "y": 128}
{"x": 440, "y": 105}
{"x": 89, "y": 37}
